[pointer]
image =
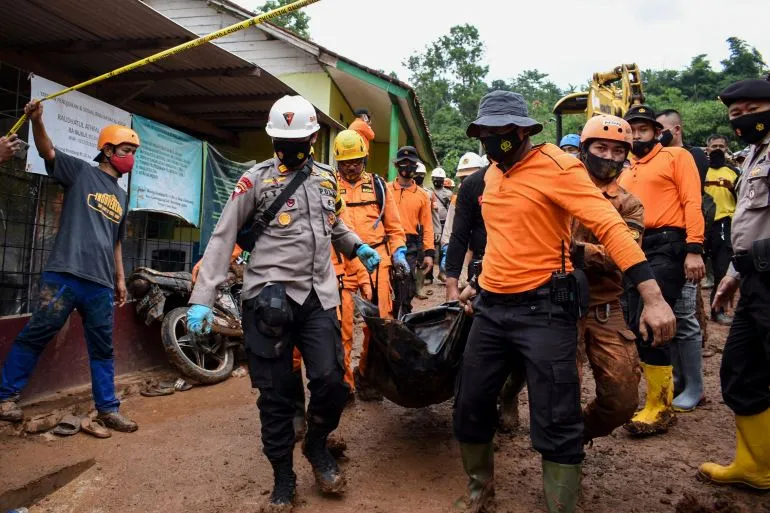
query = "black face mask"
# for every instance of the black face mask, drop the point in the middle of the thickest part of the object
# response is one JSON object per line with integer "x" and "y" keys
{"x": 292, "y": 153}
{"x": 603, "y": 170}
{"x": 666, "y": 138}
{"x": 640, "y": 149}
{"x": 419, "y": 179}
{"x": 717, "y": 159}
{"x": 438, "y": 183}
{"x": 407, "y": 170}
{"x": 752, "y": 128}
{"x": 500, "y": 147}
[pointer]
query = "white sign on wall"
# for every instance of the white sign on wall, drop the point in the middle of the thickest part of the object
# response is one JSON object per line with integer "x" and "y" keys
{"x": 73, "y": 122}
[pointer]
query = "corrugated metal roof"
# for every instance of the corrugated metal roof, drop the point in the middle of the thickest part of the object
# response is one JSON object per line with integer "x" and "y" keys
{"x": 86, "y": 38}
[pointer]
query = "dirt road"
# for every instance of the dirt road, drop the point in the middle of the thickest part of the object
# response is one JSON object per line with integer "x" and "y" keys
{"x": 200, "y": 451}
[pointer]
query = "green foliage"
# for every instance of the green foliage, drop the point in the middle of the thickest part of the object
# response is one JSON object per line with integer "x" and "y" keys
{"x": 297, "y": 21}
{"x": 449, "y": 77}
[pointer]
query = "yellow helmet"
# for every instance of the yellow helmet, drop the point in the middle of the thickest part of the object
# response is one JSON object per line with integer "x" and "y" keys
{"x": 349, "y": 145}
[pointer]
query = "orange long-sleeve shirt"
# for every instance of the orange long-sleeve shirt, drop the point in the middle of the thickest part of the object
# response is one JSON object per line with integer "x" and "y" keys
{"x": 667, "y": 182}
{"x": 414, "y": 209}
{"x": 364, "y": 130}
{"x": 527, "y": 212}
{"x": 362, "y": 211}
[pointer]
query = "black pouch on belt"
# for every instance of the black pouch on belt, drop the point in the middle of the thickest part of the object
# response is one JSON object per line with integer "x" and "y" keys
{"x": 274, "y": 315}
{"x": 760, "y": 254}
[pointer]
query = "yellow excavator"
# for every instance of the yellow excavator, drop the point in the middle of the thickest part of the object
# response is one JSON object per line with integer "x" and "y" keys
{"x": 612, "y": 92}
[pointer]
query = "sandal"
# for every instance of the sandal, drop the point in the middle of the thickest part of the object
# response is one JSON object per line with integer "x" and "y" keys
{"x": 95, "y": 427}
{"x": 68, "y": 426}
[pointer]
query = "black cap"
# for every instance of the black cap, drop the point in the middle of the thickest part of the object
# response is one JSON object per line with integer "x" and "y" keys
{"x": 407, "y": 153}
{"x": 642, "y": 112}
{"x": 359, "y": 112}
{"x": 749, "y": 89}
{"x": 503, "y": 108}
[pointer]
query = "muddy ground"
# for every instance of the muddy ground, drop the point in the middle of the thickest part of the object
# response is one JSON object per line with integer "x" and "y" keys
{"x": 200, "y": 451}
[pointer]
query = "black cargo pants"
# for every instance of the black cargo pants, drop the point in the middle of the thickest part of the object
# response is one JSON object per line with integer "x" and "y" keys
{"x": 745, "y": 371}
{"x": 406, "y": 288}
{"x": 316, "y": 332}
{"x": 665, "y": 249}
{"x": 544, "y": 337}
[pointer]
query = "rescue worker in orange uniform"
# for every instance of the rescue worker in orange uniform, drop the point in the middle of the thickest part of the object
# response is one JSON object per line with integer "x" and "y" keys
{"x": 666, "y": 181}
{"x": 370, "y": 212}
{"x": 415, "y": 211}
{"x": 604, "y": 339}
{"x": 363, "y": 125}
{"x": 524, "y": 311}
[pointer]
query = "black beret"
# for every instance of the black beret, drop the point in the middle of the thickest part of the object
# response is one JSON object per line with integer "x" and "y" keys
{"x": 748, "y": 89}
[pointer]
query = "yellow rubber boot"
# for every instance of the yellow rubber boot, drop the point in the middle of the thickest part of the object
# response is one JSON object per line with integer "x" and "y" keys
{"x": 751, "y": 465}
{"x": 657, "y": 415}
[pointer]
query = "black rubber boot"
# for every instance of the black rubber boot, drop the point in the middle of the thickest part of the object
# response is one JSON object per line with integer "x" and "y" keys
{"x": 284, "y": 487}
{"x": 327, "y": 473}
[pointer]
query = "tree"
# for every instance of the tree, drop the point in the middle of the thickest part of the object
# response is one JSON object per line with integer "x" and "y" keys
{"x": 297, "y": 21}
{"x": 743, "y": 62}
{"x": 450, "y": 80}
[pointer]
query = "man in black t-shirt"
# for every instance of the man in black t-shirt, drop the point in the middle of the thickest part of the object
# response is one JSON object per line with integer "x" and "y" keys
{"x": 85, "y": 269}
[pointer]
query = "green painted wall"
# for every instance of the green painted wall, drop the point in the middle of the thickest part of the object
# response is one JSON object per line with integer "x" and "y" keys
{"x": 339, "y": 108}
{"x": 314, "y": 87}
{"x": 254, "y": 146}
{"x": 378, "y": 158}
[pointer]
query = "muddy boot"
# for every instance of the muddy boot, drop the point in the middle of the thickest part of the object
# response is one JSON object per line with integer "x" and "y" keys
{"x": 657, "y": 416}
{"x": 751, "y": 465}
{"x": 364, "y": 389}
{"x": 117, "y": 422}
{"x": 336, "y": 445}
{"x": 691, "y": 361}
{"x": 327, "y": 474}
{"x": 10, "y": 411}
{"x": 478, "y": 463}
{"x": 284, "y": 487}
{"x": 561, "y": 485}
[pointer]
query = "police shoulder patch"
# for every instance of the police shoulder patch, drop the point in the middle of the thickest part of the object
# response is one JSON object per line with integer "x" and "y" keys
{"x": 243, "y": 185}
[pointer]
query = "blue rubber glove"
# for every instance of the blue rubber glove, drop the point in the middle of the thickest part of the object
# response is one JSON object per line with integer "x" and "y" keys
{"x": 442, "y": 265}
{"x": 369, "y": 257}
{"x": 399, "y": 258}
{"x": 199, "y": 319}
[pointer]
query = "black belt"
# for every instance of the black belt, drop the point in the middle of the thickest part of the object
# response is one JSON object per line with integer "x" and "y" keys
{"x": 519, "y": 298}
{"x": 659, "y": 236}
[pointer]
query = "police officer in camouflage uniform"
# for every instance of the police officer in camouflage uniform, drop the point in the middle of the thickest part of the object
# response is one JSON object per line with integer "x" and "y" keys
{"x": 289, "y": 294}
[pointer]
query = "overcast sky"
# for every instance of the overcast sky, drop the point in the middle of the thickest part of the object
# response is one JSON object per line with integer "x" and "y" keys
{"x": 569, "y": 40}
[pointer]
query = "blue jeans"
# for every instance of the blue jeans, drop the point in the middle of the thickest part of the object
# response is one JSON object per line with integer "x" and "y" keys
{"x": 60, "y": 294}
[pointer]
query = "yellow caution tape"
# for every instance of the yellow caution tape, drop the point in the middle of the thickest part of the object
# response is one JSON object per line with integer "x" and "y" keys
{"x": 256, "y": 20}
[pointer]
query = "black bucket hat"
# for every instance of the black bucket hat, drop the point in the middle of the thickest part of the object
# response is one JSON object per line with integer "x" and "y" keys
{"x": 503, "y": 108}
{"x": 642, "y": 112}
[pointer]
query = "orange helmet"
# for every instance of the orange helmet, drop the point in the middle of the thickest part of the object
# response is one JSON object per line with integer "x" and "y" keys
{"x": 117, "y": 134}
{"x": 607, "y": 127}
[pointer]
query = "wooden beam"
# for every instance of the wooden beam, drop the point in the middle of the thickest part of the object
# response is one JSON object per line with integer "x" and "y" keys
{"x": 200, "y": 99}
{"x": 113, "y": 45}
{"x": 179, "y": 120}
{"x": 157, "y": 76}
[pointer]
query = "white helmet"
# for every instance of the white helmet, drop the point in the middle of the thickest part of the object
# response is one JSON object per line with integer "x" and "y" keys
{"x": 438, "y": 173}
{"x": 469, "y": 161}
{"x": 421, "y": 169}
{"x": 484, "y": 160}
{"x": 292, "y": 117}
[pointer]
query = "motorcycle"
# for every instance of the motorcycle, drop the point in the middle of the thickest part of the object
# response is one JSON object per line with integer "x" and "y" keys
{"x": 163, "y": 296}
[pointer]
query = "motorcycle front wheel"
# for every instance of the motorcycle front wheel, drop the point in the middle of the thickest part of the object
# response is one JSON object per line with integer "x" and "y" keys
{"x": 206, "y": 359}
